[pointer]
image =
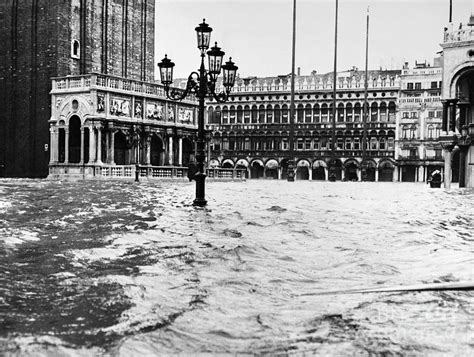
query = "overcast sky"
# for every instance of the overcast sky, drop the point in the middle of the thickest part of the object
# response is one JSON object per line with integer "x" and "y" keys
{"x": 258, "y": 33}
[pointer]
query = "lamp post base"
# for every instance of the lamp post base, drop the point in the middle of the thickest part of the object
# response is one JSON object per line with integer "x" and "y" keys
{"x": 200, "y": 178}
{"x": 200, "y": 202}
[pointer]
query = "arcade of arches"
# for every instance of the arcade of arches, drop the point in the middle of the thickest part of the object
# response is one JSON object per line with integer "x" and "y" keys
{"x": 307, "y": 169}
{"x": 100, "y": 142}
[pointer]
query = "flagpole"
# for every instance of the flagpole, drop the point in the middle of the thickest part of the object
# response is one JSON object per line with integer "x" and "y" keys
{"x": 291, "y": 172}
{"x": 366, "y": 104}
{"x": 332, "y": 163}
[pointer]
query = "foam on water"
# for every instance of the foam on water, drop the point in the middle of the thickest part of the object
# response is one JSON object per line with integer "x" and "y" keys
{"x": 133, "y": 269}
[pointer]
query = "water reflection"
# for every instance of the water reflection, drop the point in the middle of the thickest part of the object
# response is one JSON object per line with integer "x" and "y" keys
{"x": 133, "y": 269}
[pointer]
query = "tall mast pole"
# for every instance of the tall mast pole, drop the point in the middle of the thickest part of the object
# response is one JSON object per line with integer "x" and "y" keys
{"x": 366, "y": 104}
{"x": 450, "y": 11}
{"x": 332, "y": 164}
{"x": 290, "y": 173}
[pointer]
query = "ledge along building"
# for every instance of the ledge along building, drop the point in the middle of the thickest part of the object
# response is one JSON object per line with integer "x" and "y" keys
{"x": 251, "y": 132}
{"x": 102, "y": 113}
{"x": 458, "y": 104}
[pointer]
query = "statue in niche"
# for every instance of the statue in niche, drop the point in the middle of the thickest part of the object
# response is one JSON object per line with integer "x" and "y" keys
{"x": 138, "y": 109}
{"x": 100, "y": 103}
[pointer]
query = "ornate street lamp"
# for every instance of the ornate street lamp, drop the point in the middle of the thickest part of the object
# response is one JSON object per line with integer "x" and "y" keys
{"x": 202, "y": 84}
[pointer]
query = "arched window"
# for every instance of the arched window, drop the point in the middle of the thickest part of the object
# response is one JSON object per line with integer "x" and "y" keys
{"x": 316, "y": 113}
{"x": 324, "y": 112}
{"x": 308, "y": 113}
{"x": 405, "y": 132}
{"x": 225, "y": 115}
{"x": 277, "y": 113}
{"x": 240, "y": 114}
{"x": 349, "y": 112}
{"x": 254, "y": 114}
{"x": 373, "y": 143}
{"x": 75, "y": 49}
{"x": 261, "y": 114}
{"x": 382, "y": 144}
{"x": 232, "y": 115}
{"x": 340, "y": 113}
{"x": 269, "y": 114}
{"x": 348, "y": 144}
{"x": 246, "y": 114}
{"x": 391, "y": 111}
{"x": 383, "y": 111}
{"x": 284, "y": 113}
{"x": 374, "y": 115}
{"x": 357, "y": 109}
{"x": 300, "y": 113}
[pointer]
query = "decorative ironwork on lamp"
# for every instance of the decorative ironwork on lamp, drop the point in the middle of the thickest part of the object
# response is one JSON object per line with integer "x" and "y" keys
{"x": 203, "y": 85}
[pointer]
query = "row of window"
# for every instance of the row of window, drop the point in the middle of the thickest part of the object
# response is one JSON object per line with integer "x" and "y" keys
{"x": 410, "y": 132}
{"x": 240, "y": 144}
{"x": 414, "y": 115}
{"x": 341, "y": 83}
{"x": 417, "y": 85}
{"x": 306, "y": 114}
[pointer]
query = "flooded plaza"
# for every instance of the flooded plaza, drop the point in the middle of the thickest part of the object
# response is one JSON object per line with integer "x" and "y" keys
{"x": 133, "y": 269}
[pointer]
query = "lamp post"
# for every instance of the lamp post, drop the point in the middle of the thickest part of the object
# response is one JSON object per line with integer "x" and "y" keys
{"x": 203, "y": 85}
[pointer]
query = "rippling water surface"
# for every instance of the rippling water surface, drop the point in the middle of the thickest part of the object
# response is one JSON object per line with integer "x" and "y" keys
{"x": 126, "y": 269}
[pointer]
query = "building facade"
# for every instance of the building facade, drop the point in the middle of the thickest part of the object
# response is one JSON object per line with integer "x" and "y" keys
{"x": 45, "y": 39}
{"x": 418, "y": 151}
{"x": 251, "y": 131}
{"x": 112, "y": 127}
{"x": 458, "y": 104}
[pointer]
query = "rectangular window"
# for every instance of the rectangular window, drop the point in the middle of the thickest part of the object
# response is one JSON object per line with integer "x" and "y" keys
{"x": 409, "y": 86}
{"x": 316, "y": 144}
{"x": 414, "y": 115}
{"x": 300, "y": 144}
{"x": 284, "y": 144}
{"x": 340, "y": 143}
{"x": 405, "y": 115}
{"x": 356, "y": 144}
{"x": 431, "y": 113}
{"x": 307, "y": 144}
{"x": 418, "y": 85}
{"x": 434, "y": 85}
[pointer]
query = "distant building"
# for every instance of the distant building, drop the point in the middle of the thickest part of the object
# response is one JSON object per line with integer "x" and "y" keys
{"x": 251, "y": 130}
{"x": 418, "y": 151}
{"x": 458, "y": 104}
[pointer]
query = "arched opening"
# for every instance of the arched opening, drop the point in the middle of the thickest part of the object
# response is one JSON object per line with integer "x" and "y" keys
{"x": 256, "y": 170}
{"x": 242, "y": 165}
{"x": 386, "y": 171}
{"x": 319, "y": 173}
{"x": 61, "y": 145}
{"x": 188, "y": 151}
{"x": 227, "y": 165}
{"x": 120, "y": 148}
{"x": 271, "y": 169}
{"x": 351, "y": 171}
{"x": 157, "y": 151}
{"x": 302, "y": 170}
{"x": 74, "y": 140}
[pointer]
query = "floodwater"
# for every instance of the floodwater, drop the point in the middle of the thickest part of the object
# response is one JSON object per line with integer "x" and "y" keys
{"x": 132, "y": 269}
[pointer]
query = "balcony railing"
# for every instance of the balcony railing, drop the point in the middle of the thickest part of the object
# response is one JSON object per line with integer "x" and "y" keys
{"x": 464, "y": 33}
{"x": 111, "y": 83}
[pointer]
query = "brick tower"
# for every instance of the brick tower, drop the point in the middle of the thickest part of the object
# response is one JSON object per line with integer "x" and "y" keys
{"x": 41, "y": 39}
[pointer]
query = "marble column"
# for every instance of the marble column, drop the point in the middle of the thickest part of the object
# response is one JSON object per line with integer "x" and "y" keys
{"x": 170, "y": 151}
{"x": 99, "y": 144}
{"x": 82, "y": 146}
{"x": 91, "y": 145}
{"x": 180, "y": 152}
{"x": 66, "y": 145}
{"x": 112, "y": 147}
